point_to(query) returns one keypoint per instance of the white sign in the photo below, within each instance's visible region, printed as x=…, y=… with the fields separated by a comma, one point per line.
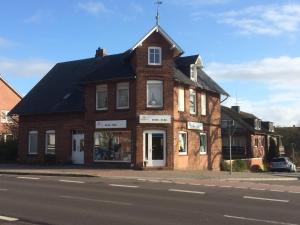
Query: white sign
x=155, y=119
x=195, y=125
x=108, y=124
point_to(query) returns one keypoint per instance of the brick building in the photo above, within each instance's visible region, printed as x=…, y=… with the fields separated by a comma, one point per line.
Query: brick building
x=252, y=138
x=146, y=107
x=9, y=97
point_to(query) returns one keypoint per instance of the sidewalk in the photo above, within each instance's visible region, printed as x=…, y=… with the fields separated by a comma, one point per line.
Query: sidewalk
x=84, y=171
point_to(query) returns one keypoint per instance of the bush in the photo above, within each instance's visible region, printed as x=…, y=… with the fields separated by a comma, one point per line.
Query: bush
x=224, y=166
x=8, y=151
x=239, y=165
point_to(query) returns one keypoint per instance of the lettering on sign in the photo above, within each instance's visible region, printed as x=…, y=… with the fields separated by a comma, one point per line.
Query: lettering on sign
x=155, y=119
x=109, y=124
x=195, y=126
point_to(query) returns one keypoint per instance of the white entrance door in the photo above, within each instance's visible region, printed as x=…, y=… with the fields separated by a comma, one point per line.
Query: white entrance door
x=77, y=148
x=154, y=148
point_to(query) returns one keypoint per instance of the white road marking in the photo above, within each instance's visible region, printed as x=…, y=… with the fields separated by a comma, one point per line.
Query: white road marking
x=9, y=219
x=95, y=200
x=3, y=189
x=210, y=185
x=225, y=186
x=72, y=181
x=154, y=181
x=266, y=199
x=276, y=190
x=241, y=187
x=259, y=220
x=121, y=185
x=294, y=192
x=258, y=189
x=29, y=178
x=187, y=191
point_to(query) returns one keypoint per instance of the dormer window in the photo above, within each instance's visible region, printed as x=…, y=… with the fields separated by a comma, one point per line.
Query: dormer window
x=257, y=124
x=154, y=56
x=193, y=72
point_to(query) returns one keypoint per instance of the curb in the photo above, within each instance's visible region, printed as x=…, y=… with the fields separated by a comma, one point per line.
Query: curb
x=47, y=174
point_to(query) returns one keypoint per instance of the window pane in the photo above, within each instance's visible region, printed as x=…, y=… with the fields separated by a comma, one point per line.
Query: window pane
x=203, y=143
x=154, y=55
x=102, y=100
x=182, y=143
x=181, y=100
x=50, y=145
x=203, y=104
x=155, y=94
x=123, y=95
x=192, y=102
x=33, y=137
x=114, y=146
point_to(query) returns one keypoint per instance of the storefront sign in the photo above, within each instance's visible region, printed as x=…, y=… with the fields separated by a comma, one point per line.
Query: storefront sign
x=108, y=124
x=155, y=119
x=195, y=126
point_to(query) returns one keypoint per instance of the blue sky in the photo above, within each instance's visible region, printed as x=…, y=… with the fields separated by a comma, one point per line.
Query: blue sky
x=250, y=47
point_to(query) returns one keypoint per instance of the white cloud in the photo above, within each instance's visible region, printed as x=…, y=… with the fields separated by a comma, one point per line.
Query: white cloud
x=264, y=19
x=280, y=77
x=39, y=16
x=93, y=7
x=5, y=43
x=25, y=67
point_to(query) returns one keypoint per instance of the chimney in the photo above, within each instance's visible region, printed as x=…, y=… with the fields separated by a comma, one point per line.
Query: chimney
x=100, y=52
x=236, y=108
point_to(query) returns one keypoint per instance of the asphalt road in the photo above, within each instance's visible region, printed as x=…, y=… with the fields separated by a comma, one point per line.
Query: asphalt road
x=34, y=200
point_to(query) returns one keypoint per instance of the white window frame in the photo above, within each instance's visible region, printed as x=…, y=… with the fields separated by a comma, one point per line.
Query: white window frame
x=29, y=143
x=181, y=99
x=159, y=59
x=122, y=86
x=202, y=134
x=46, y=142
x=194, y=94
x=186, y=143
x=102, y=88
x=193, y=72
x=203, y=104
x=162, y=97
x=4, y=119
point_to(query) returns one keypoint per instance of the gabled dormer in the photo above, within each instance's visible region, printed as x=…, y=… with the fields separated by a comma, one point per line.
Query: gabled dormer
x=191, y=65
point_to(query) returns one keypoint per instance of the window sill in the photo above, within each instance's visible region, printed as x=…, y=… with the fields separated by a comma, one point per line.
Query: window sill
x=182, y=153
x=203, y=153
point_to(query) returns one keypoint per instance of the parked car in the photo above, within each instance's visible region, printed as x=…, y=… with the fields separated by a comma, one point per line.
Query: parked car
x=282, y=164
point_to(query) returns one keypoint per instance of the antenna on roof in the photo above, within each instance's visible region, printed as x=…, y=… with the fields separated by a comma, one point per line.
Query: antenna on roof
x=157, y=11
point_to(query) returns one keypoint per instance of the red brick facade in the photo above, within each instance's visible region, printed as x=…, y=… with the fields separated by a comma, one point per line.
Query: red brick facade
x=65, y=123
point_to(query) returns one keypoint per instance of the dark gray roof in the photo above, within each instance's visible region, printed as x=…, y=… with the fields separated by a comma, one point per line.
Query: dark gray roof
x=182, y=73
x=236, y=117
x=61, y=90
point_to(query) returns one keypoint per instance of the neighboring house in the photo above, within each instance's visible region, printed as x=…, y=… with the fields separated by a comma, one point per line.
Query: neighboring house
x=146, y=107
x=251, y=137
x=9, y=97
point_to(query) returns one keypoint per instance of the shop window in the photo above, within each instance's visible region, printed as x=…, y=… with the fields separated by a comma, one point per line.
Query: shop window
x=101, y=97
x=203, y=104
x=203, y=143
x=182, y=143
x=50, y=142
x=192, y=101
x=33, y=142
x=123, y=95
x=154, y=56
x=181, y=99
x=112, y=146
x=154, y=93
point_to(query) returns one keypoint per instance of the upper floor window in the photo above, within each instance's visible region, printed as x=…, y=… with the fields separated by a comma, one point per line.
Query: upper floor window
x=123, y=95
x=181, y=99
x=155, y=93
x=192, y=101
x=203, y=104
x=33, y=142
x=203, y=143
x=50, y=142
x=101, y=97
x=4, y=118
x=257, y=124
x=154, y=56
x=193, y=72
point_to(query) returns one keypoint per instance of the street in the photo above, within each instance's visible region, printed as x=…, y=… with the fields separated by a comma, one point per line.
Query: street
x=58, y=200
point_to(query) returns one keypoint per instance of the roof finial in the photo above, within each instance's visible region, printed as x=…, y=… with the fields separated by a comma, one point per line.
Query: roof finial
x=157, y=12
